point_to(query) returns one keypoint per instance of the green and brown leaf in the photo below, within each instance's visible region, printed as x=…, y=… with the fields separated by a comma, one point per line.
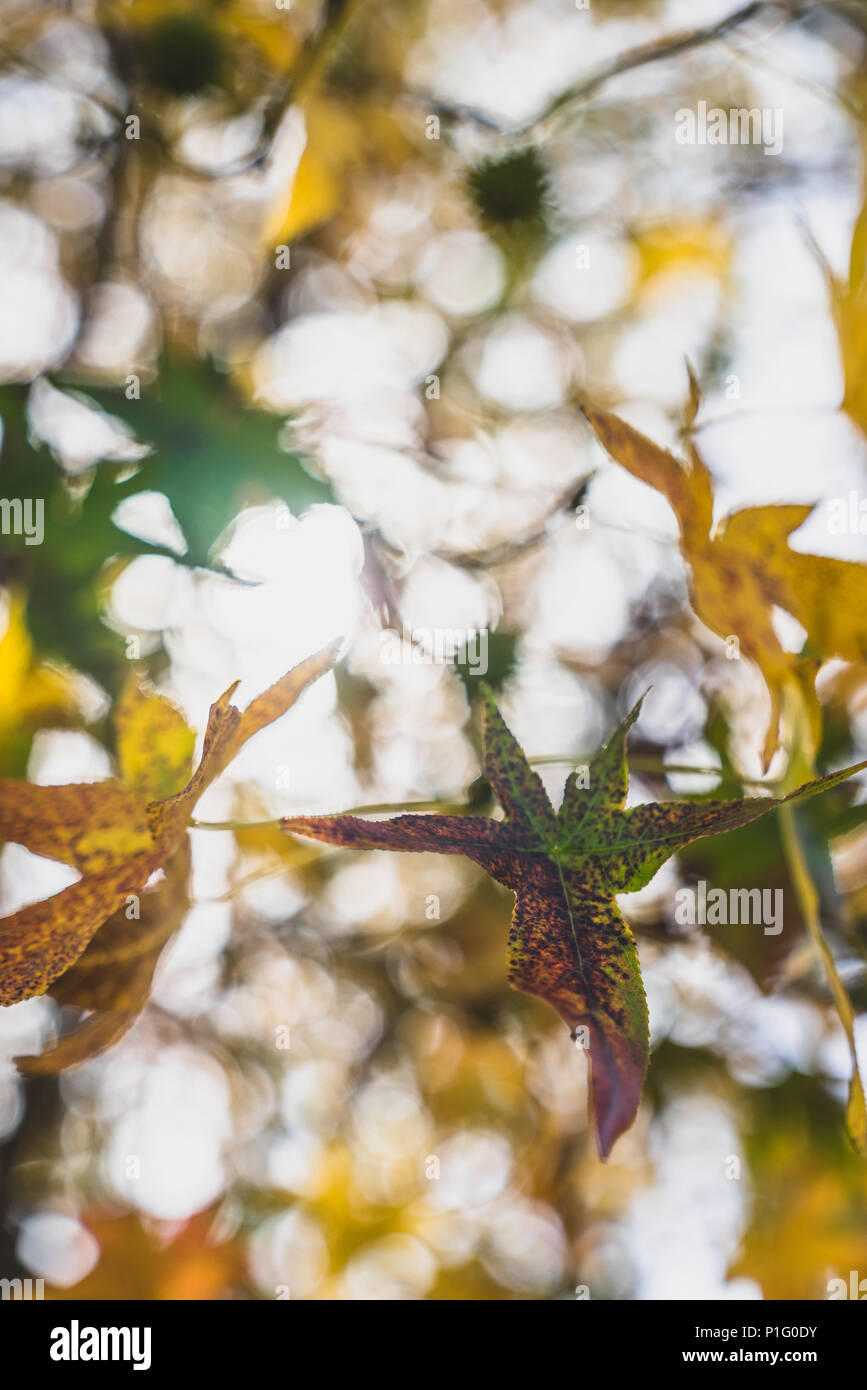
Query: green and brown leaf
x=568, y=942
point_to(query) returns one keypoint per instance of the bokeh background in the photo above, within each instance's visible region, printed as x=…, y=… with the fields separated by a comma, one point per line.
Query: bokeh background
x=297, y=310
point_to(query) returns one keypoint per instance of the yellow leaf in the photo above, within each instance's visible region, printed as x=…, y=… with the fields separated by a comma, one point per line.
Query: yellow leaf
x=804, y=1230
x=169, y=818
x=16, y=656
x=154, y=742
x=91, y=825
x=856, y=1111
x=313, y=198
x=272, y=37
x=694, y=246
x=745, y=568
x=280, y=696
x=341, y=139
x=849, y=306
x=32, y=692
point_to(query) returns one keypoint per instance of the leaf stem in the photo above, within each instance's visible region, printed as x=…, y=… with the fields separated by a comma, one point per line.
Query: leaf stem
x=641, y=763
x=636, y=761
x=374, y=808
x=389, y=807
x=808, y=901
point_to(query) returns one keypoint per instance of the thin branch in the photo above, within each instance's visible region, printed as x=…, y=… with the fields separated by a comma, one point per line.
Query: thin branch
x=659, y=51
x=643, y=55
x=382, y=808
x=808, y=901
x=817, y=89
x=852, y=13
x=375, y=808
x=313, y=59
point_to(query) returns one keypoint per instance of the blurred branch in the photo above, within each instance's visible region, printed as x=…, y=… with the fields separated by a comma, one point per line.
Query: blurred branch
x=852, y=11
x=816, y=89
x=567, y=501
x=808, y=901
x=658, y=51
x=373, y=809
x=314, y=57
x=640, y=763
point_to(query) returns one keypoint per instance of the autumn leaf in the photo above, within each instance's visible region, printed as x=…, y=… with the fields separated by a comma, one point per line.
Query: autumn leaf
x=808, y=1190
x=849, y=307
x=118, y=835
x=683, y=247
x=342, y=139
x=744, y=567
x=90, y=825
x=112, y=978
x=568, y=943
x=314, y=195
x=32, y=692
x=154, y=742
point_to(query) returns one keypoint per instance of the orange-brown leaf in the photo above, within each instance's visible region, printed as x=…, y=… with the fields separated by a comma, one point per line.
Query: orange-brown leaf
x=745, y=569
x=105, y=830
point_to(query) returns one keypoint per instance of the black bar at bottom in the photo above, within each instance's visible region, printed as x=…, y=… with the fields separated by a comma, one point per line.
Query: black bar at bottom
x=65, y=1339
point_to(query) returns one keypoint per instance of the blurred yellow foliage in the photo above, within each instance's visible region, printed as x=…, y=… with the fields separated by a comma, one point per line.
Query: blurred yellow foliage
x=849, y=303
x=341, y=141
x=33, y=693
x=694, y=246
x=136, y=1261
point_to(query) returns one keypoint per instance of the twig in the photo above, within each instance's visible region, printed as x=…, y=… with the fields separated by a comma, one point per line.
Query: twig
x=384, y=808
x=641, y=56
x=656, y=52
x=375, y=808
x=808, y=901
x=314, y=57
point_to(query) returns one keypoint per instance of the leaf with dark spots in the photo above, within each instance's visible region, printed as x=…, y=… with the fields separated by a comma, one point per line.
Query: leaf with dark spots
x=568, y=943
x=112, y=978
x=39, y=943
x=516, y=786
x=154, y=743
x=89, y=825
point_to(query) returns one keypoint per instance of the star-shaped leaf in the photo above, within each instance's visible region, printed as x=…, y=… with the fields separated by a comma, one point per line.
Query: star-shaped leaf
x=193, y=423
x=95, y=944
x=744, y=567
x=568, y=943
